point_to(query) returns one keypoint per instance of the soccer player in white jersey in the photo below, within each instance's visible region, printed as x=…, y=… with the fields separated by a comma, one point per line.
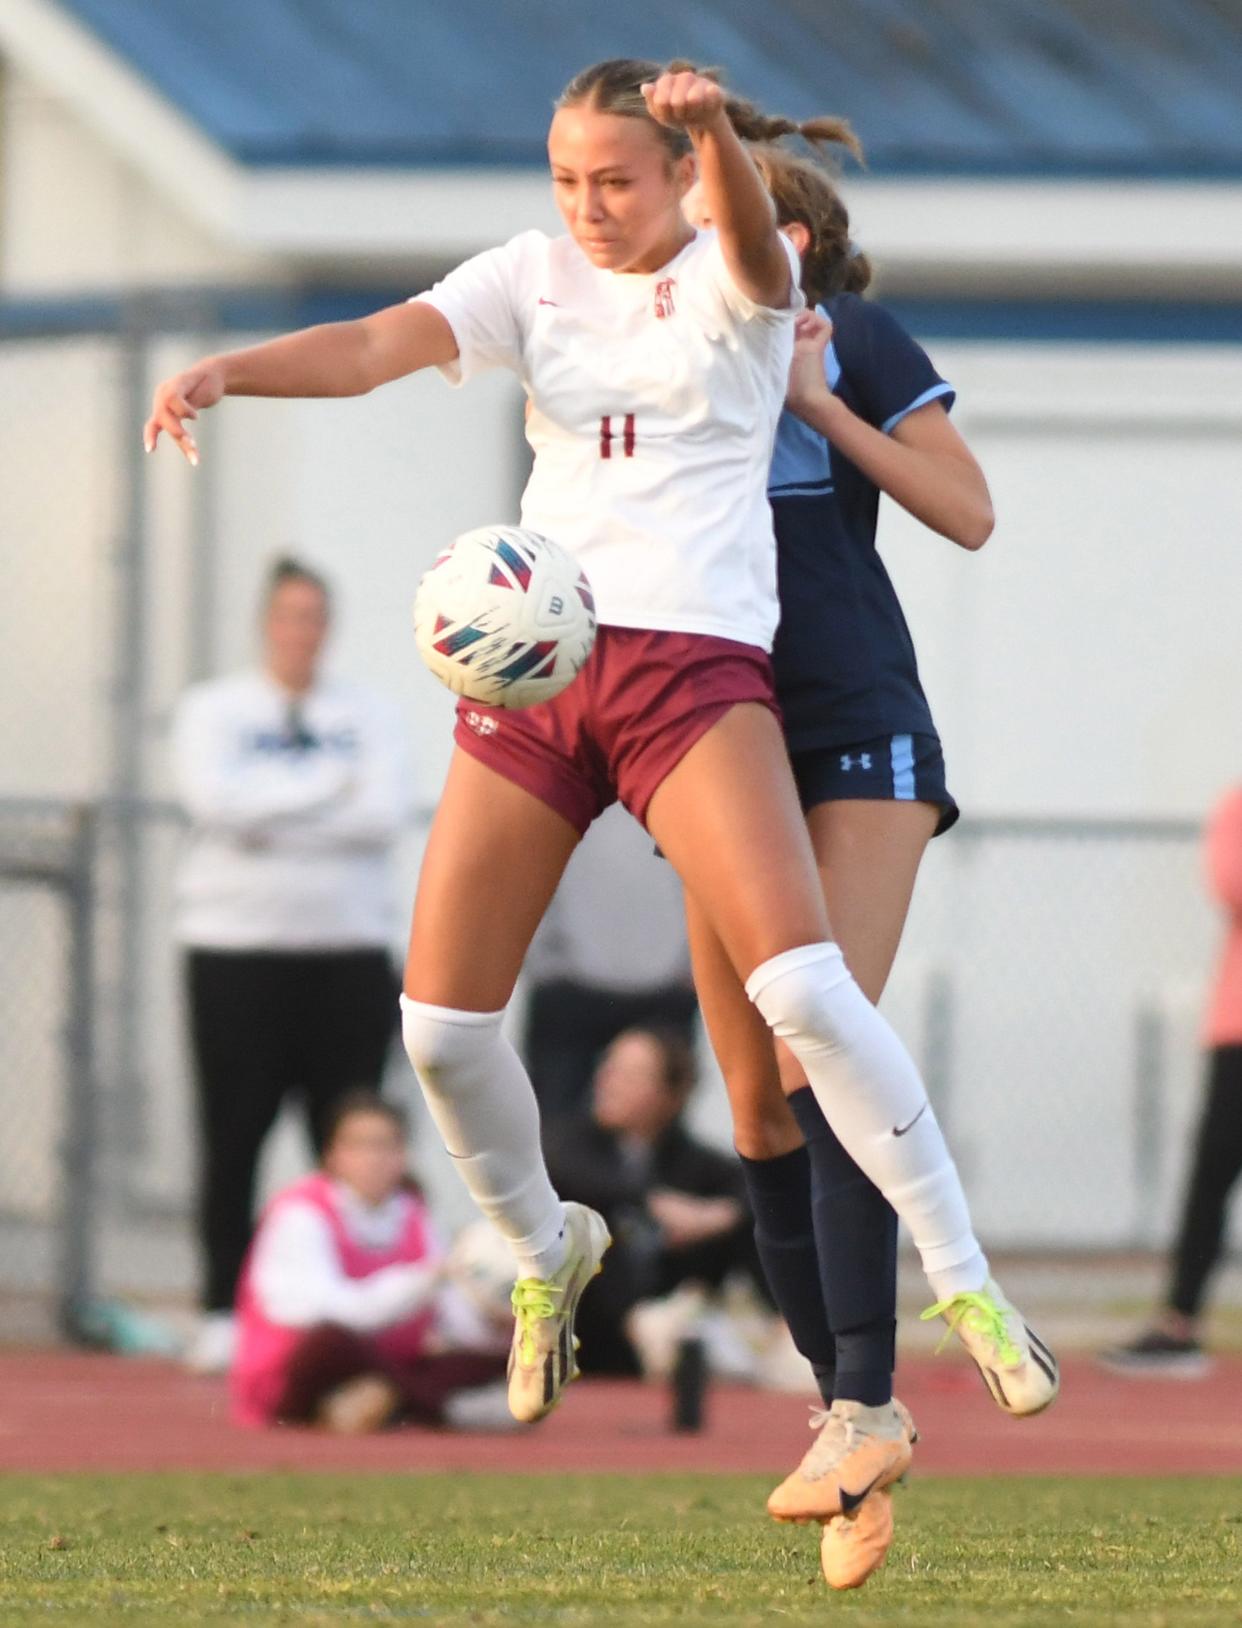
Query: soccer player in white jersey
x=655, y=358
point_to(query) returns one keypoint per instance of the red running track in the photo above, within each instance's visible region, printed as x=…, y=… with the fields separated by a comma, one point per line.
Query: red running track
x=72, y=1411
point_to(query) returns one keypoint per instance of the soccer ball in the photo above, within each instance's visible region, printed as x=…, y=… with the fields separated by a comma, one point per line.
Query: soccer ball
x=480, y=1264
x=505, y=617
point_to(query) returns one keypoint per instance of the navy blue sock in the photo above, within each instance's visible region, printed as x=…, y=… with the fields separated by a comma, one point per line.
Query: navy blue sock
x=856, y=1237
x=779, y=1191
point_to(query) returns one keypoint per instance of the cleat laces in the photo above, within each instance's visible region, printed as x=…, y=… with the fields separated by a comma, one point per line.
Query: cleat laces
x=981, y=1315
x=533, y=1302
x=828, y=1448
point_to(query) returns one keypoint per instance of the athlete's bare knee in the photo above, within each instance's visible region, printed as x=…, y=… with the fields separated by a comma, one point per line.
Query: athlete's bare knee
x=766, y=1130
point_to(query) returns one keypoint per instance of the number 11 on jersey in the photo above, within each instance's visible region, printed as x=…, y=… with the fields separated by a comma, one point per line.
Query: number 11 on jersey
x=624, y=433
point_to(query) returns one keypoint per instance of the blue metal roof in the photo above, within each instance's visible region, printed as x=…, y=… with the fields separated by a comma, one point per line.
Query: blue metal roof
x=982, y=87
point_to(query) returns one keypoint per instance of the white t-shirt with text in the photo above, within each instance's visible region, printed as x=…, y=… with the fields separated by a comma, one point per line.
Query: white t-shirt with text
x=296, y=806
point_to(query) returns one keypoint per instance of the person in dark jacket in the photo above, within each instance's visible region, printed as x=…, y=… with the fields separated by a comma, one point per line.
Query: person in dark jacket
x=675, y=1207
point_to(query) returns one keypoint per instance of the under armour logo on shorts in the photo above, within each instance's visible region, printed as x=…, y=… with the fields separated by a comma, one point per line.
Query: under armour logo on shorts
x=863, y=760
x=481, y=723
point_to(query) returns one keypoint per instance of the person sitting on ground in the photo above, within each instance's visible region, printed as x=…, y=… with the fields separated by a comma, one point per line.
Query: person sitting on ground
x=674, y=1206
x=342, y=1306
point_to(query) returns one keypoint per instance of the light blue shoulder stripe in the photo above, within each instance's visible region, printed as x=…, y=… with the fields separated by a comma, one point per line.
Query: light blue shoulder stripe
x=941, y=389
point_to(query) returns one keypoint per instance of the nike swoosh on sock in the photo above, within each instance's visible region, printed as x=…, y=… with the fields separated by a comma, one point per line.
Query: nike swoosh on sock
x=902, y=1129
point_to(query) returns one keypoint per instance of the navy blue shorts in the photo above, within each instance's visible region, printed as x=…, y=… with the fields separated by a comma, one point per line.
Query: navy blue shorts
x=890, y=768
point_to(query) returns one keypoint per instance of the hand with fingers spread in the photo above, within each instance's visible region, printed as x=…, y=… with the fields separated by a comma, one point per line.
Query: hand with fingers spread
x=808, y=385
x=687, y=101
x=180, y=398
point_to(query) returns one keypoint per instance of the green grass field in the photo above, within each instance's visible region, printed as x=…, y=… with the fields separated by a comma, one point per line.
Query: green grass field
x=182, y=1550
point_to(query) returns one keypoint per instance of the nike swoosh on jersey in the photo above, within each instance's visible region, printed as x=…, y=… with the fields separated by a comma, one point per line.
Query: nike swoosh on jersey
x=902, y=1129
x=542, y=301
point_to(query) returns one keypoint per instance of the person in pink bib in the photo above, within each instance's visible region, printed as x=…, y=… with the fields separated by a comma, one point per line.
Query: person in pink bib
x=341, y=1306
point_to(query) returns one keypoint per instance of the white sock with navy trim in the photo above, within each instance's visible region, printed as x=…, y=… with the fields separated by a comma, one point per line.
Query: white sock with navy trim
x=870, y=1092
x=483, y=1104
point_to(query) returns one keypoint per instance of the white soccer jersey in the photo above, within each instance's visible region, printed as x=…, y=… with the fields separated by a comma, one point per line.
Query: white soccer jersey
x=654, y=403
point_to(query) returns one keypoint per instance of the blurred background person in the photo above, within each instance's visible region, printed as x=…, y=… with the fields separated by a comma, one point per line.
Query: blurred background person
x=296, y=785
x=341, y=1301
x=609, y=955
x=1174, y=1343
x=675, y=1208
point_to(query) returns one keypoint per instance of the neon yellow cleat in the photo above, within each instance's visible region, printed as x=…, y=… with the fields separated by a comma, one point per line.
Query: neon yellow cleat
x=541, y=1359
x=1018, y=1368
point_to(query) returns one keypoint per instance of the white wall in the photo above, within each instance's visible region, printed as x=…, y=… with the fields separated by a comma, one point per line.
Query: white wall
x=1088, y=661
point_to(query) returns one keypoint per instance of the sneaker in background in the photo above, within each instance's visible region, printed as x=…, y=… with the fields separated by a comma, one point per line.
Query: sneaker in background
x=1157, y=1354
x=657, y=1328
x=482, y=1408
x=214, y=1345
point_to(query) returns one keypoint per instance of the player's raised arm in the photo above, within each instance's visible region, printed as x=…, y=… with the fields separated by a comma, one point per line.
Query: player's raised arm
x=733, y=191
x=923, y=463
x=333, y=359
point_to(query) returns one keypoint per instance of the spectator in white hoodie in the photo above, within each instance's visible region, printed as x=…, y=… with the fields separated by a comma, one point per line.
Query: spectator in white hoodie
x=297, y=787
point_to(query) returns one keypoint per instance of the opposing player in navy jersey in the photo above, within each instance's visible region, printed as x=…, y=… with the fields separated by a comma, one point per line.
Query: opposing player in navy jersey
x=866, y=412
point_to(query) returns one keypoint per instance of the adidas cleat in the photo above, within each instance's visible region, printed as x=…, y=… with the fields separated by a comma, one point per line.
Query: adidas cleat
x=542, y=1358
x=858, y=1450
x=1017, y=1367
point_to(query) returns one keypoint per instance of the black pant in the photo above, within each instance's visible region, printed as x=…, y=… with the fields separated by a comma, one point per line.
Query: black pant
x=569, y=1026
x=264, y=1024
x=1217, y=1165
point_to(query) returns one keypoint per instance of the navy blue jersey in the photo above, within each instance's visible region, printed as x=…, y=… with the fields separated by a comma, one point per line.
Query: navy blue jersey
x=844, y=660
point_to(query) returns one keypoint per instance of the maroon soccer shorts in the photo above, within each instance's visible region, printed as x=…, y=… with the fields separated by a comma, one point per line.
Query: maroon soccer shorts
x=637, y=707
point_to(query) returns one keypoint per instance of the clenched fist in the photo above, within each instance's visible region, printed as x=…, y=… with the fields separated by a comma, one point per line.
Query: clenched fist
x=687, y=101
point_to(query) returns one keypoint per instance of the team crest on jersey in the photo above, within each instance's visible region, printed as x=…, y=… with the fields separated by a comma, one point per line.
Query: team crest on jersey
x=664, y=306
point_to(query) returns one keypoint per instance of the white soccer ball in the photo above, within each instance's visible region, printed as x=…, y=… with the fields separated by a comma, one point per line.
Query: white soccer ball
x=505, y=617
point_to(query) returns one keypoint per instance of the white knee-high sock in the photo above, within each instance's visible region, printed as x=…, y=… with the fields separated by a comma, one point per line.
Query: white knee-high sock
x=481, y=1099
x=872, y=1096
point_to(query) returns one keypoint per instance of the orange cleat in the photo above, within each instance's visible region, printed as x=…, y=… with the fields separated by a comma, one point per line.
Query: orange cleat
x=858, y=1450
x=854, y=1546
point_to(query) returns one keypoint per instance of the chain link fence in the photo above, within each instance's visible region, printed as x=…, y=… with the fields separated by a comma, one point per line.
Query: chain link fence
x=49, y=1092
x=1050, y=986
